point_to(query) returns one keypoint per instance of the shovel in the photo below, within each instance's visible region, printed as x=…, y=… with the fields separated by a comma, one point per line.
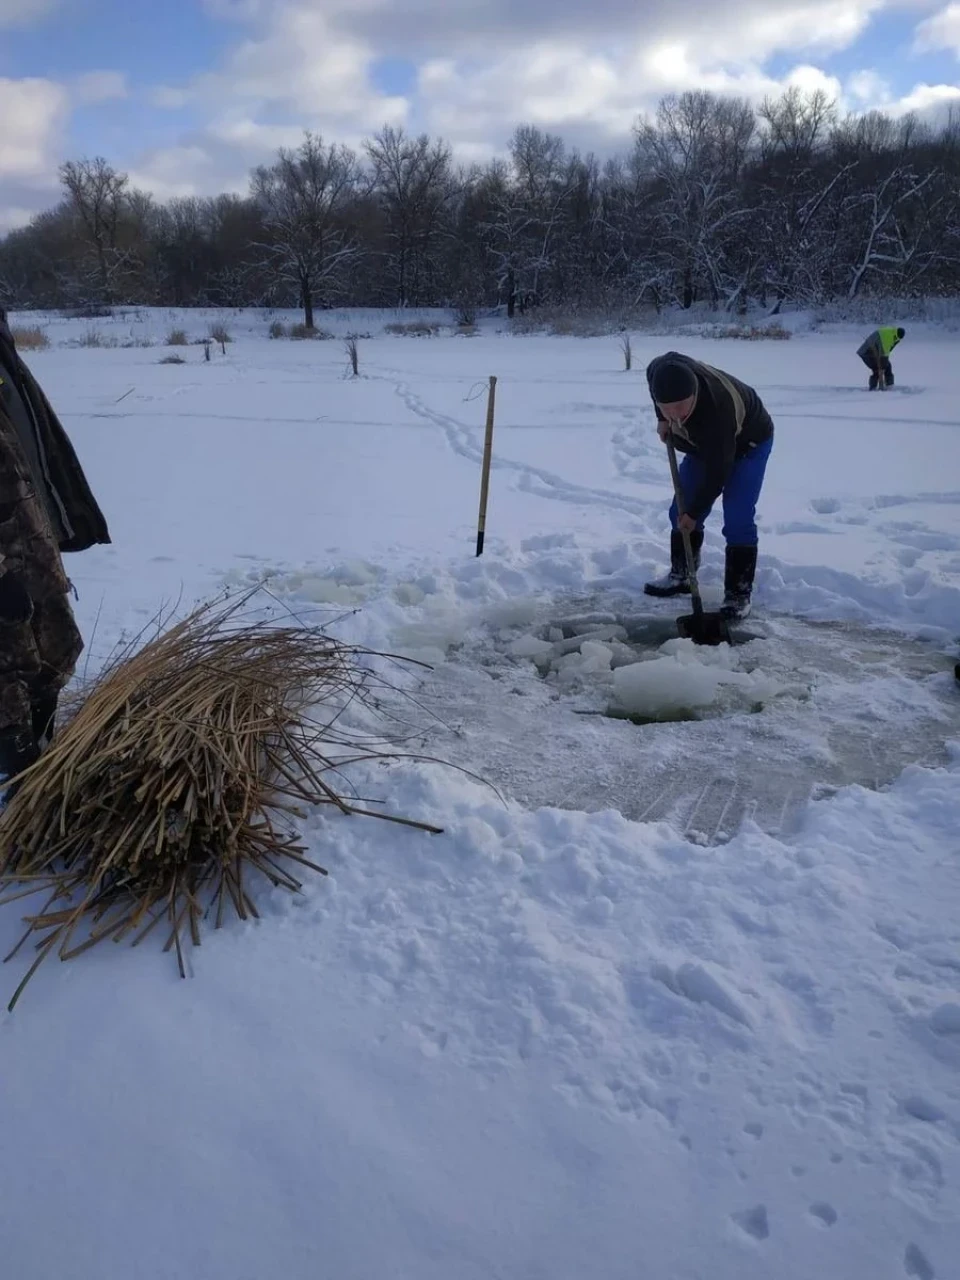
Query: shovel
x=700, y=626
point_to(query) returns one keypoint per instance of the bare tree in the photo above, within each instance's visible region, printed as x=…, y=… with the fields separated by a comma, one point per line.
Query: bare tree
x=528, y=203
x=695, y=154
x=884, y=240
x=413, y=184
x=716, y=202
x=99, y=197
x=795, y=183
x=304, y=198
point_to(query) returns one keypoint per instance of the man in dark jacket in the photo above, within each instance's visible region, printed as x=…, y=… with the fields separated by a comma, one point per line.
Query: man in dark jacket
x=46, y=508
x=722, y=426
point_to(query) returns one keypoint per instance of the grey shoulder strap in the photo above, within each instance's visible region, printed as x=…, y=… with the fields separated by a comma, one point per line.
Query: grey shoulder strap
x=739, y=408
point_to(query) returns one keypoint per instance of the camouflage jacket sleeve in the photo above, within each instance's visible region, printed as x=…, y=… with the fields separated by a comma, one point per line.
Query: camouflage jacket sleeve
x=28, y=544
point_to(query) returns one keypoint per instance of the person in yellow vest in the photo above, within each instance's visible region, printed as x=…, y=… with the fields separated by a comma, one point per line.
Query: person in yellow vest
x=875, y=354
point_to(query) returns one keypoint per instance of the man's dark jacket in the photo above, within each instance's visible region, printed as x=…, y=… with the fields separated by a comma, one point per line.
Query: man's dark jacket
x=727, y=423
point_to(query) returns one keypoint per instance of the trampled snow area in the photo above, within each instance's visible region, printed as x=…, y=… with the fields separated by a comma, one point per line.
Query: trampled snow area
x=679, y=995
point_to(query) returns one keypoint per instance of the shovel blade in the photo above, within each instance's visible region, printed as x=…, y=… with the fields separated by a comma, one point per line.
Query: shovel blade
x=704, y=628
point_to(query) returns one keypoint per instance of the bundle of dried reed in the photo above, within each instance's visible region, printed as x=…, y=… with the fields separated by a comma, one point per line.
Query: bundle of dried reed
x=168, y=789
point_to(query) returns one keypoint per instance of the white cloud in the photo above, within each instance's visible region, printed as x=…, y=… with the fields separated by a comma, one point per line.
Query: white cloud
x=294, y=72
x=13, y=216
x=100, y=86
x=565, y=88
x=169, y=99
x=927, y=99
x=868, y=88
x=24, y=13
x=482, y=67
x=178, y=171
x=33, y=113
x=303, y=63
x=940, y=32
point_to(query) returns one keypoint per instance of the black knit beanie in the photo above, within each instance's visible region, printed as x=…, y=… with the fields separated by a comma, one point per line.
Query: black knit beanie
x=673, y=381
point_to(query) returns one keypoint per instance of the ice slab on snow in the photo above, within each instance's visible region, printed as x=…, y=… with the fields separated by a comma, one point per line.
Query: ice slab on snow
x=687, y=677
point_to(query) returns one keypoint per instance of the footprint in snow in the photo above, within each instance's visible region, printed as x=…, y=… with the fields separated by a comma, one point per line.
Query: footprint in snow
x=695, y=984
x=920, y=1108
x=825, y=1213
x=754, y=1222
x=916, y=1263
x=945, y=1021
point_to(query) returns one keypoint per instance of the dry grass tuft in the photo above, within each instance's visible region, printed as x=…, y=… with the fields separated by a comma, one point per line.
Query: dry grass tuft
x=95, y=338
x=751, y=332
x=170, y=791
x=412, y=329
x=178, y=338
x=31, y=339
x=220, y=333
x=278, y=329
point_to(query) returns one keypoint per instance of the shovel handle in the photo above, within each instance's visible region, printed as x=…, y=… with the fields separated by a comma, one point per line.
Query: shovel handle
x=687, y=545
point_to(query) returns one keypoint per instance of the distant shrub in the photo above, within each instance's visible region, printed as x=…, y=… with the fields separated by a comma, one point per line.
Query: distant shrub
x=94, y=338
x=87, y=311
x=626, y=346
x=178, y=338
x=220, y=333
x=278, y=329
x=32, y=339
x=564, y=324
x=466, y=315
x=412, y=328
x=751, y=332
x=137, y=340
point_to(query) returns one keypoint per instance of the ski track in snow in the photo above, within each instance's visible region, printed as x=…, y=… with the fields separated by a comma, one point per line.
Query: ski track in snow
x=463, y=441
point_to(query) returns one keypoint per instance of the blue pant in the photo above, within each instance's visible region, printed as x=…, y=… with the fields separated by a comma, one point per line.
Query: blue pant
x=740, y=494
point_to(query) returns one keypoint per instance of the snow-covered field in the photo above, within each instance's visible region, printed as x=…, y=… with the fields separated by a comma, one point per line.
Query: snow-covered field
x=681, y=998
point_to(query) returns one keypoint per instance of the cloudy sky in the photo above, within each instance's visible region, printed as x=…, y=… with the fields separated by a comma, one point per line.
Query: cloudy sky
x=186, y=95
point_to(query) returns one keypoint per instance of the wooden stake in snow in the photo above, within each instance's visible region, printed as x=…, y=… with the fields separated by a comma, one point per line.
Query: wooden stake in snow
x=485, y=472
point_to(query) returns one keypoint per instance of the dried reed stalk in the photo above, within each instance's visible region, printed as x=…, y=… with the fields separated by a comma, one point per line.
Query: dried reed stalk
x=172, y=784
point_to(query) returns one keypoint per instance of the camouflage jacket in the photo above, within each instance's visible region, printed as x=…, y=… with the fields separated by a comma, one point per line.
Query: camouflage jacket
x=46, y=454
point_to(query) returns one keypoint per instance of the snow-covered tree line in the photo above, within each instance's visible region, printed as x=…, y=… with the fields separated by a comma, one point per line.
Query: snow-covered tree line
x=717, y=201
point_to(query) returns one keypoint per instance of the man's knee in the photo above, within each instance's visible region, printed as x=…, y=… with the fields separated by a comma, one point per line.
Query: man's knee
x=58, y=639
x=740, y=528
x=14, y=704
x=740, y=523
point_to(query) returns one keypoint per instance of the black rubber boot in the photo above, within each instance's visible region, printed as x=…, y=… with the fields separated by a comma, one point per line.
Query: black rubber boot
x=738, y=578
x=675, y=582
x=18, y=751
